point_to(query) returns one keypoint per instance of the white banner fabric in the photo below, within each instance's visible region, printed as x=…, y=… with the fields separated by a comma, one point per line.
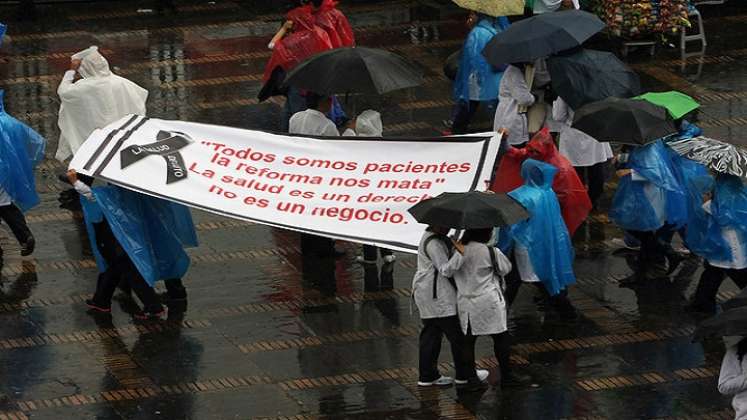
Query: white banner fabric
x=355, y=189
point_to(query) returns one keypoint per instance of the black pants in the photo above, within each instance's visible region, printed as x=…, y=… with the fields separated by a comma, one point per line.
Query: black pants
x=463, y=115
x=370, y=252
x=430, y=348
x=13, y=216
x=593, y=177
x=501, y=349
x=312, y=245
x=514, y=283
x=711, y=280
x=653, y=250
x=120, y=268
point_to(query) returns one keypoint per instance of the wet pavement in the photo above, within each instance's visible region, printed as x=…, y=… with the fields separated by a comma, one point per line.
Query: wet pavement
x=270, y=334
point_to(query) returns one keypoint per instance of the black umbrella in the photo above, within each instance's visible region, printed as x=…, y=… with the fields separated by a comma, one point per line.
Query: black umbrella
x=717, y=155
x=626, y=121
x=469, y=210
x=727, y=323
x=540, y=36
x=355, y=70
x=587, y=76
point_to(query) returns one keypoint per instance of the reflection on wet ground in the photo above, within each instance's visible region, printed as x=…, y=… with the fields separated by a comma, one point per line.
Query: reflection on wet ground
x=268, y=333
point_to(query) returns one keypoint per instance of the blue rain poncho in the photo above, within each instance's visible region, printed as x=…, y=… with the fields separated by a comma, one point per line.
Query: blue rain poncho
x=728, y=211
x=478, y=80
x=3, y=28
x=152, y=231
x=21, y=149
x=653, y=195
x=544, y=234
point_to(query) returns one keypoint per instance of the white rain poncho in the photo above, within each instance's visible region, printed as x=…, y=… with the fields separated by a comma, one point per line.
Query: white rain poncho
x=96, y=100
x=313, y=123
x=580, y=148
x=368, y=124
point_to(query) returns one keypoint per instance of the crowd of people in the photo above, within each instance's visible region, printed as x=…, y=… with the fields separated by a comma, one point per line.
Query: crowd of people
x=463, y=286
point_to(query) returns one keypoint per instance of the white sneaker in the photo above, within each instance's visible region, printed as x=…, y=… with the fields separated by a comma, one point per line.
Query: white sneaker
x=362, y=260
x=389, y=258
x=442, y=381
x=482, y=376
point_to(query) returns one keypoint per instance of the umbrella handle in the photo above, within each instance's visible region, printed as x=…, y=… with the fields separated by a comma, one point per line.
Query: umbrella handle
x=529, y=77
x=280, y=34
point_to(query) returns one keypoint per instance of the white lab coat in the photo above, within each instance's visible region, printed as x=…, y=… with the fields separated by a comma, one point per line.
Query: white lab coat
x=737, y=247
x=580, y=148
x=96, y=100
x=513, y=92
x=312, y=122
x=733, y=381
x=480, y=299
x=422, y=283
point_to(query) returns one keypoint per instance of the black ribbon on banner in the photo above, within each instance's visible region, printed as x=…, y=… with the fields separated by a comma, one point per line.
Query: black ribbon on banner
x=167, y=146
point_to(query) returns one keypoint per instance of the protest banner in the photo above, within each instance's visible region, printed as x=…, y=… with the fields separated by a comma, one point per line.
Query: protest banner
x=355, y=189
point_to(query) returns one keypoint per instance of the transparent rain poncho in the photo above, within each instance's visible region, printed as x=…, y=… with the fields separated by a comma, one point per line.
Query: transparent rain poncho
x=478, y=80
x=652, y=194
x=96, y=100
x=153, y=232
x=21, y=149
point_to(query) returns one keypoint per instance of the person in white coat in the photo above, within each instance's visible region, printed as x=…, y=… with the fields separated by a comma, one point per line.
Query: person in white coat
x=733, y=377
x=96, y=100
x=368, y=124
x=478, y=270
x=513, y=93
x=435, y=295
x=585, y=153
x=314, y=122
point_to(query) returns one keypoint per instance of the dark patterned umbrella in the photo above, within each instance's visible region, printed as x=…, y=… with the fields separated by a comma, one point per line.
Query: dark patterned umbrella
x=714, y=154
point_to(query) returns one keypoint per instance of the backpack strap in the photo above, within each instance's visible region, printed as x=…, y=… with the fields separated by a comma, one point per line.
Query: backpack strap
x=449, y=250
x=496, y=269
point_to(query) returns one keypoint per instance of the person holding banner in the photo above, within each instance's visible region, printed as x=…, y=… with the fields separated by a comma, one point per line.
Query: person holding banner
x=314, y=122
x=368, y=124
x=99, y=98
x=136, y=239
x=21, y=149
x=435, y=295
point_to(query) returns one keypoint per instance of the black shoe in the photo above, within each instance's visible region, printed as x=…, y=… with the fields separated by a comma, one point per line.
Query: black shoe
x=96, y=307
x=151, y=314
x=28, y=248
x=472, y=384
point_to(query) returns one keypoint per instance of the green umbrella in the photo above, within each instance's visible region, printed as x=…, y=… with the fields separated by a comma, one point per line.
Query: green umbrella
x=677, y=103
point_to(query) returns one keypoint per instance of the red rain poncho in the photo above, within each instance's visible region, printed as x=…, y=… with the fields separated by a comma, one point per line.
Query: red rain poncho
x=306, y=40
x=334, y=22
x=572, y=195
